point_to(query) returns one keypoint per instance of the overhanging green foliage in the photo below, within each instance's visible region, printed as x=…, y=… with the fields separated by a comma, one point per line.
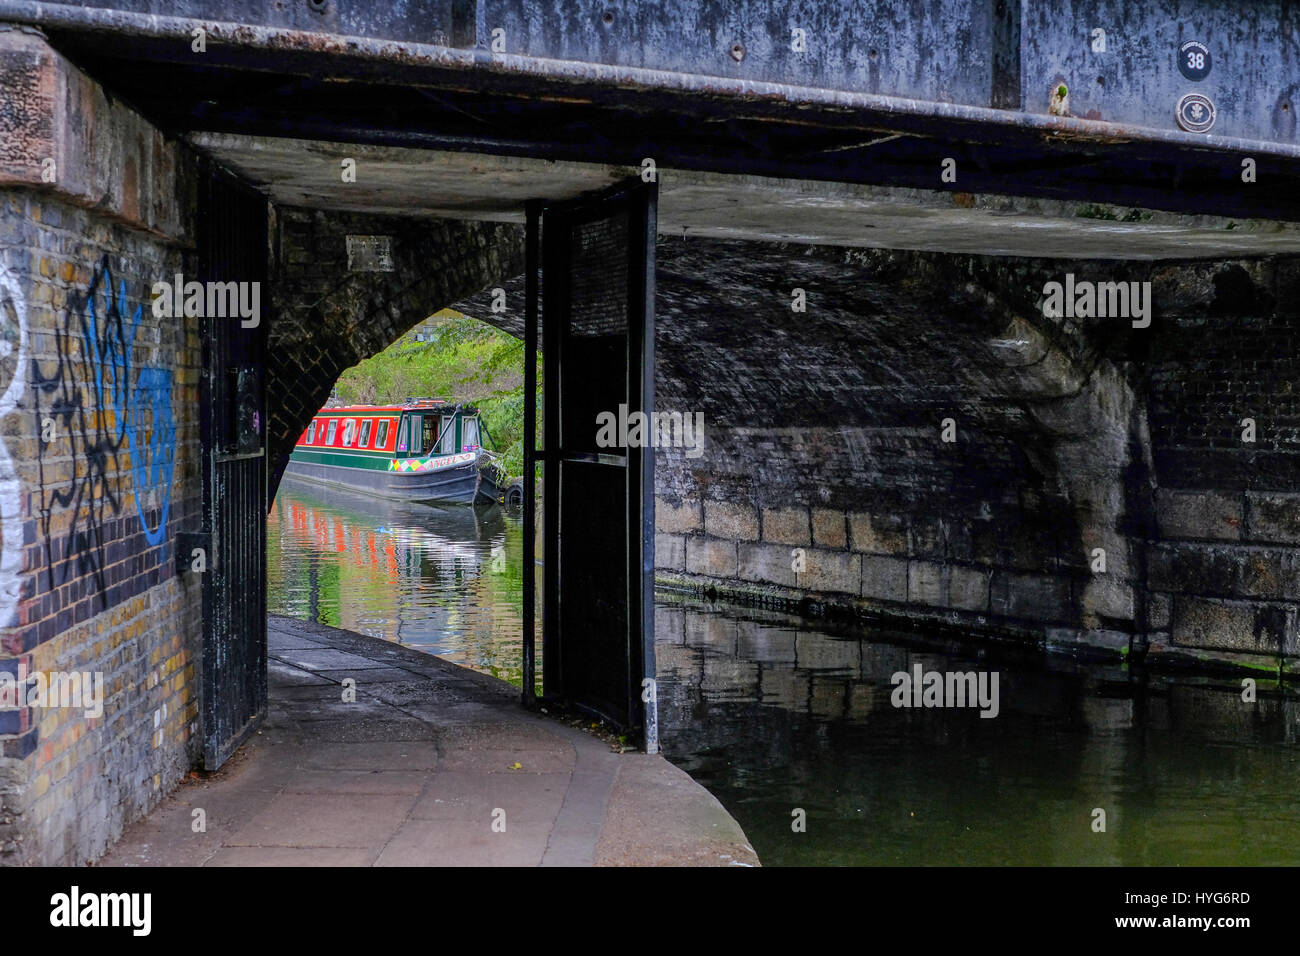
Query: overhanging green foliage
x=463, y=360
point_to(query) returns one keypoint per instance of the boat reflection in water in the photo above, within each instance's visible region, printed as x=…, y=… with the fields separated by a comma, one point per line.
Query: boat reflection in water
x=446, y=580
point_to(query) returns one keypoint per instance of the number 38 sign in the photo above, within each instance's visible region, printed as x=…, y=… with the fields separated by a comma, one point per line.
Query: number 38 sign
x=1194, y=60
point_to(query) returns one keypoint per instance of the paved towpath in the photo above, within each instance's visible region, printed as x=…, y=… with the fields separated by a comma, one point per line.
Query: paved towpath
x=416, y=772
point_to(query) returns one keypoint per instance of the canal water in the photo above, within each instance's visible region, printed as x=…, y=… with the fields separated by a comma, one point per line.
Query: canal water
x=793, y=725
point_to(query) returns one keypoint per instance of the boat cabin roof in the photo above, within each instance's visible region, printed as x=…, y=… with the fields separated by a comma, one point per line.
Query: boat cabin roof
x=421, y=405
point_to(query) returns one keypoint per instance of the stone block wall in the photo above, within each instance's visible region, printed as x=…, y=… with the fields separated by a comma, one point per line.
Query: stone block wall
x=1225, y=569
x=1097, y=495
x=825, y=475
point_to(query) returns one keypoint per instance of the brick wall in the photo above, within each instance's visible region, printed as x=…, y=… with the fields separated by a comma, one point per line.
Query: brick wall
x=98, y=506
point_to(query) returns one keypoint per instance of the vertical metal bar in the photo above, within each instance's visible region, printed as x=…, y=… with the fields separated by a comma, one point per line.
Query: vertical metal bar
x=649, y=224
x=640, y=463
x=555, y=242
x=632, y=203
x=532, y=250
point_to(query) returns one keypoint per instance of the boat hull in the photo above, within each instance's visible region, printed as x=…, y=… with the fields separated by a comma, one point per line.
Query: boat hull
x=459, y=526
x=460, y=484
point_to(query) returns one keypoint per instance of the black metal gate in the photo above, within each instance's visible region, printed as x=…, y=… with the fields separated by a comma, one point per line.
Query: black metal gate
x=233, y=248
x=597, y=269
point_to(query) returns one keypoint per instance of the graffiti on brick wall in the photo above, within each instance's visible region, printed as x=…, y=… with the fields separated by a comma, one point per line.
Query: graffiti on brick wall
x=13, y=361
x=98, y=406
x=151, y=438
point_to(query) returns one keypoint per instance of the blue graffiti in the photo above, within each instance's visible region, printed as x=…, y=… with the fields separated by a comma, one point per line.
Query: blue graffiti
x=111, y=353
x=94, y=353
x=152, y=450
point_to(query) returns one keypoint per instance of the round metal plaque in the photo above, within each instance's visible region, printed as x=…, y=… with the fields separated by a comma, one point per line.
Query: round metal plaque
x=1194, y=60
x=1195, y=113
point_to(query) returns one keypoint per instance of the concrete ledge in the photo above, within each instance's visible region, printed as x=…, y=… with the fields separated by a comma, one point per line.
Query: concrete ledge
x=1207, y=636
x=62, y=133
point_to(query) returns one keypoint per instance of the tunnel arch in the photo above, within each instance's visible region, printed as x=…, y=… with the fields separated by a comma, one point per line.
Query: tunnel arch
x=330, y=314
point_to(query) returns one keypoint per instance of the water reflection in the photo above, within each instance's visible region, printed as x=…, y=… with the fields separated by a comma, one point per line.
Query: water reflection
x=445, y=580
x=773, y=716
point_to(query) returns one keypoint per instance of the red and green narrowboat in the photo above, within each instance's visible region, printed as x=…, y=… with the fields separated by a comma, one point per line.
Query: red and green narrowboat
x=425, y=451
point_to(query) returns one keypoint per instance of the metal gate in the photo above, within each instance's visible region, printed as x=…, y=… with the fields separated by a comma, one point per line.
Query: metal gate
x=597, y=272
x=233, y=248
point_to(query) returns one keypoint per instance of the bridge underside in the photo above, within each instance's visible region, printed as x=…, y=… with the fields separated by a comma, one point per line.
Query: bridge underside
x=883, y=98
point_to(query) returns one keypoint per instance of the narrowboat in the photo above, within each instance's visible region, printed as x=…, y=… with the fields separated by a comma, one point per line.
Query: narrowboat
x=425, y=451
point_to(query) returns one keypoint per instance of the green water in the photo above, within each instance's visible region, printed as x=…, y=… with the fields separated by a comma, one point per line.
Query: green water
x=444, y=580
x=775, y=714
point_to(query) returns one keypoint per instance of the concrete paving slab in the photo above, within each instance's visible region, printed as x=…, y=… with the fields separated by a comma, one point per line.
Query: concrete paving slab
x=659, y=816
x=360, y=729
x=524, y=797
x=288, y=675
x=334, y=708
x=292, y=856
x=284, y=641
x=325, y=819
x=326, y=659
x=503, y=761
x=372, y=675
x=383, y=755
x=403, y=782
x=496, y=734
x=432, y=843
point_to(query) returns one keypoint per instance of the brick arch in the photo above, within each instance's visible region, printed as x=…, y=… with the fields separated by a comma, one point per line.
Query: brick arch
x=327, y=318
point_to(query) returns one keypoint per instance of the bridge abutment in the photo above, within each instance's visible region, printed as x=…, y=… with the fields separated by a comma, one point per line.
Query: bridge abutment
x=99, y=464
x=1095, y=491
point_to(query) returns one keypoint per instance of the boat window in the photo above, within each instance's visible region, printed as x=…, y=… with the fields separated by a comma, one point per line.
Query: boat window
x=403, y=433
x=365, y=434
x=349, y=431
x=447, y=444
x=430, y=434
x=381, y=438
x=469, y=439
x=311, y=432
x=329, y=437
